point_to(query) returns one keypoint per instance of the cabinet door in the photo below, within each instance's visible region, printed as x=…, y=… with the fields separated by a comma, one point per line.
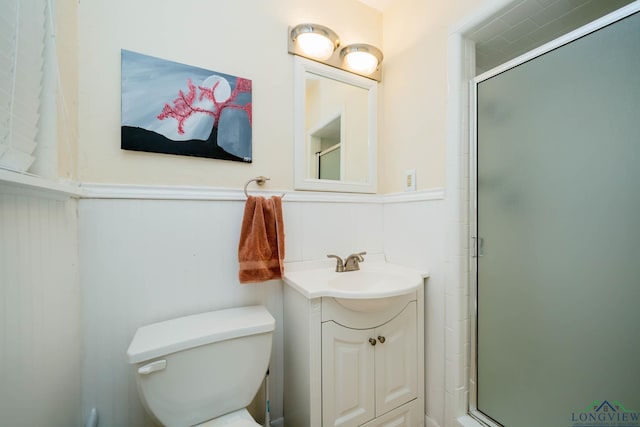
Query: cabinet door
x=347, y=376
x=396, y=361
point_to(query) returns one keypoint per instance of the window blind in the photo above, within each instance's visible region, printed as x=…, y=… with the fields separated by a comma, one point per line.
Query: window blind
x=22, y=37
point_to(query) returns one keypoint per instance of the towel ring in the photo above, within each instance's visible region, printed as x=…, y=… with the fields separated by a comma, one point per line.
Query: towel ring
x=260, y=180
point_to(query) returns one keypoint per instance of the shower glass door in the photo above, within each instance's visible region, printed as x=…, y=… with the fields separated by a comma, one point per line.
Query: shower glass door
x=558, y=218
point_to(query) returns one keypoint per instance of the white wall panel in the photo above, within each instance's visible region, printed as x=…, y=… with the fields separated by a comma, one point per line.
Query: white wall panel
x=143, y=261
x=339, y=228
x=414, y=236
x=40, y=350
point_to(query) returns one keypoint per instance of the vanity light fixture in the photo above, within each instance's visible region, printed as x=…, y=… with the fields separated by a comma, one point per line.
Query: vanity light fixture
x=315, y=41
x=361, y=58
x=320, y=44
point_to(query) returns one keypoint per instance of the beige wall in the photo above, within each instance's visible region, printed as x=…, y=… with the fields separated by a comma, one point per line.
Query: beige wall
x=67, y=91
x=414, y=90
x=222, y=36
x=240, y=37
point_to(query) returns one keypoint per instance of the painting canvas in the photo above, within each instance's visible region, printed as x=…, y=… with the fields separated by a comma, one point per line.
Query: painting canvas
x=172, y=108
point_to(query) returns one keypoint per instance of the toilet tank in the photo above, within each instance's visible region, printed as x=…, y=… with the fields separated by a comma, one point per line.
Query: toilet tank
x=196, y=368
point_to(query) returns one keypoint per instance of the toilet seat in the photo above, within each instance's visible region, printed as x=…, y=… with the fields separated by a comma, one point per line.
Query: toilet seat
x=240, y=418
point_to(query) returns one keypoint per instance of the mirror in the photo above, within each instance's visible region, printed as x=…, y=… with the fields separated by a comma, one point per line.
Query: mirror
x=335, y=129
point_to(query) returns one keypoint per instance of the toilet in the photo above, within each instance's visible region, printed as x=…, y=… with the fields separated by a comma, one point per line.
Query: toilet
x=203, y=369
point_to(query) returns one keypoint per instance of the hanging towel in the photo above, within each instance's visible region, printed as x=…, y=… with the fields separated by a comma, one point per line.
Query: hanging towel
x=261, y=248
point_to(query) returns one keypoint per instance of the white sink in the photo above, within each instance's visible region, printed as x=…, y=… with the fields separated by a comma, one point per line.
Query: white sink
x=369, y=282
x=368, y=289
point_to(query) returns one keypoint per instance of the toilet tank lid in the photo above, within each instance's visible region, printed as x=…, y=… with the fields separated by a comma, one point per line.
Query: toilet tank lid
x=160, y=339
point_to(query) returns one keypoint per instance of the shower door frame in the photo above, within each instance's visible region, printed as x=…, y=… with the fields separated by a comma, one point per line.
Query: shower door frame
x=475, y=241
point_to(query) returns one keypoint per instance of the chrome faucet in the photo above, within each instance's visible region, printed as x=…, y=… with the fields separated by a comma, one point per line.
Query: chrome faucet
x=351, y=263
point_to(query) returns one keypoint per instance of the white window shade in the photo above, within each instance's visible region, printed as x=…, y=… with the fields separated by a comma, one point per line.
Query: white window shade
x=22, y=36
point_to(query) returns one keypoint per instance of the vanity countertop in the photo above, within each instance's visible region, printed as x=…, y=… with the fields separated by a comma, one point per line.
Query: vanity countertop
x=375, y=279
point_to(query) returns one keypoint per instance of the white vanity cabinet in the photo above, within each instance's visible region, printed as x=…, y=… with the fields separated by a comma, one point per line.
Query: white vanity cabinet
x=347, y=368
x=368, y=372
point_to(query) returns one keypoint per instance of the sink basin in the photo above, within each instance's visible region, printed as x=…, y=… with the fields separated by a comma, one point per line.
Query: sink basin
x=369, y=282
x=368, y=289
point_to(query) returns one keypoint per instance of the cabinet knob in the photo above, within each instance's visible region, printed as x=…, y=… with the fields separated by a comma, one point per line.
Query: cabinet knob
x=372, y=341
x=381, y=339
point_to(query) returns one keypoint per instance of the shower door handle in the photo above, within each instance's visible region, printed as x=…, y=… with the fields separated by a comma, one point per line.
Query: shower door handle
x=478, y=246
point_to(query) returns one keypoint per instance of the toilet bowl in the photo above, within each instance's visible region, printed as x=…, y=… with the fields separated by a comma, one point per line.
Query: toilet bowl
x=203, y=369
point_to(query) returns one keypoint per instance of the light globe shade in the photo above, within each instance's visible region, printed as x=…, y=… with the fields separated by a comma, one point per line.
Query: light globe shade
x=361, y=58
x=361, y=62
x=315, y=45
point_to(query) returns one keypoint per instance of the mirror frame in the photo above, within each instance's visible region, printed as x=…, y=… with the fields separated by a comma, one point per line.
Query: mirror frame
x=301, y=181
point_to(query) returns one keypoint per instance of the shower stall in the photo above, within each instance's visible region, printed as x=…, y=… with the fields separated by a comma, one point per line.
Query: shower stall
x=556, y=231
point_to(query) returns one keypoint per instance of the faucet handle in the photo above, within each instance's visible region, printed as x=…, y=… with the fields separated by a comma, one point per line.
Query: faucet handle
x=351, y=263
x=339, y=263
x=358, y=256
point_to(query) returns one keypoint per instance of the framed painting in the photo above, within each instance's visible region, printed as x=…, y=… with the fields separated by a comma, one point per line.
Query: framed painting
x=172, y=108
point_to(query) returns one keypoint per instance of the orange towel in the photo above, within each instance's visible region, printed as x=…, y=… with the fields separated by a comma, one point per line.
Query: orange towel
x=261, y=248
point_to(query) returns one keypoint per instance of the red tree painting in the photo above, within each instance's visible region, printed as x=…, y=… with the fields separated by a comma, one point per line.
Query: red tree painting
x=184, y=105
x=210, y=117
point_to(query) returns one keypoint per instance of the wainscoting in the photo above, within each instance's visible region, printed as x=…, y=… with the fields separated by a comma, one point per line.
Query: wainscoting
x=77, y=284
x=142, y=261
x=40, y=328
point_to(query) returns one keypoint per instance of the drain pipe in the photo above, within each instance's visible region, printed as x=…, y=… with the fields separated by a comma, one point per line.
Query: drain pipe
x=267, y=415
x=92, y=421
